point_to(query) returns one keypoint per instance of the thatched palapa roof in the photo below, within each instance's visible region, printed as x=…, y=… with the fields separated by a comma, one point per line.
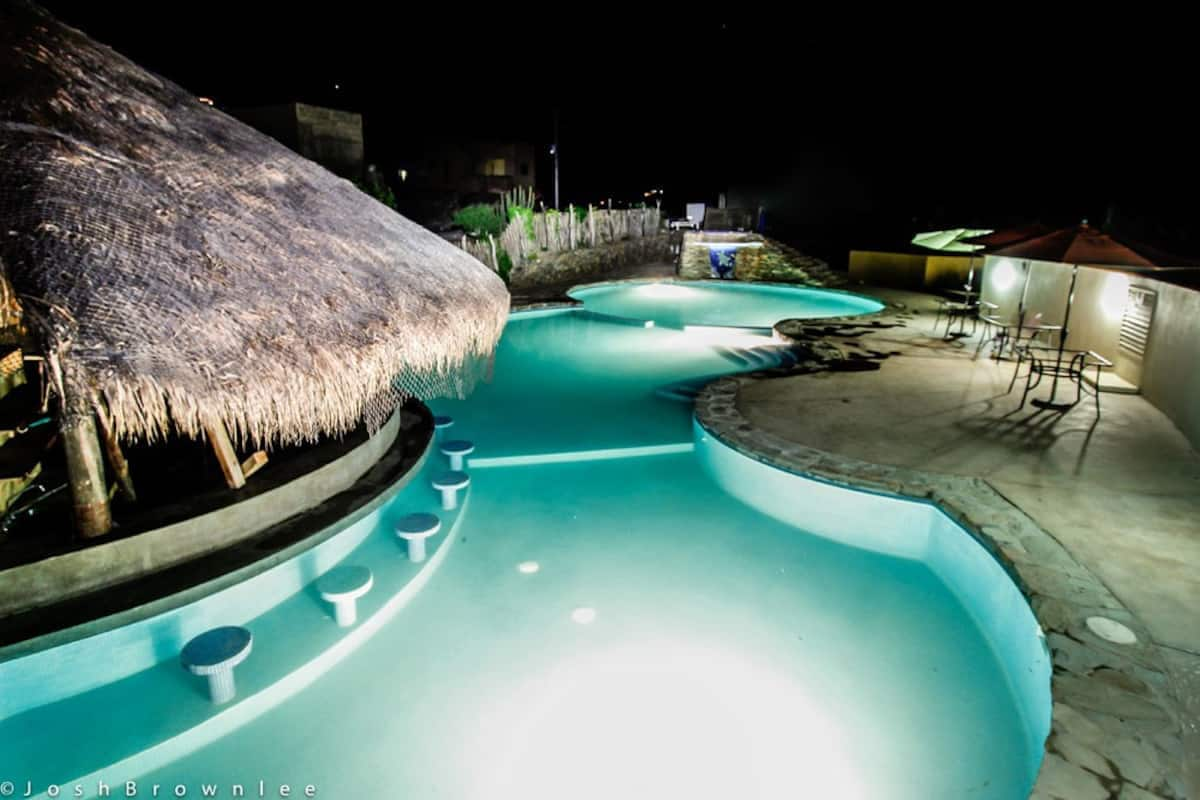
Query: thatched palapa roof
x=183, y=269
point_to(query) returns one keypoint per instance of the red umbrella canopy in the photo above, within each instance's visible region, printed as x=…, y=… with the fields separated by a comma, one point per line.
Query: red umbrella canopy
x=1009, y=236
x=1085, y=245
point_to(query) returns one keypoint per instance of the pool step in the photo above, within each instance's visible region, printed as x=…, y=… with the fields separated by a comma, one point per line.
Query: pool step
x=760, y=357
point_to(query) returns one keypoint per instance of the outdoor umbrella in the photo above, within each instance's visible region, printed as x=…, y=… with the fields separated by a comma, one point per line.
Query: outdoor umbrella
x=953, y=240
x=1006, y=237
x=1078, y=245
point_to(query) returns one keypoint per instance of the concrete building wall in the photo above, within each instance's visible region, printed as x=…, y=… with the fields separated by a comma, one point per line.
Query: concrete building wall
x=912, y=270
x=332, y=138
x=893, y=270
x=1169, y=373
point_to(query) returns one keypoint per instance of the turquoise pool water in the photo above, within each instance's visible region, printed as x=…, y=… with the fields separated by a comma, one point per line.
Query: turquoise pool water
x=629, y=610
x=675, y=304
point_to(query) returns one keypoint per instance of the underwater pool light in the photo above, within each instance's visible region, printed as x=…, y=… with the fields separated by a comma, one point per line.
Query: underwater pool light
x=584, y=615
x=655, y=719
x=528, y=567
x=665, y=291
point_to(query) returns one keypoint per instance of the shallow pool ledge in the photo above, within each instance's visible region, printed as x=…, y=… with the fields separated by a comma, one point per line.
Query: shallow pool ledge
x=1115, y=729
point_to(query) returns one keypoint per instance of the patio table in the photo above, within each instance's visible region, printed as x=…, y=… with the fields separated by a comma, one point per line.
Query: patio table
x=1051, y=362
x=1009, y=333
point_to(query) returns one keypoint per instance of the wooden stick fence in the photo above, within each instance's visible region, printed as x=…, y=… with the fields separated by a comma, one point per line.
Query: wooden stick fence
x=530, y=236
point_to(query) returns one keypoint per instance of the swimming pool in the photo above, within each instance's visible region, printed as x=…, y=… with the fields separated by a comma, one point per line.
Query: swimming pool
x=630, y=609
x=675, y=304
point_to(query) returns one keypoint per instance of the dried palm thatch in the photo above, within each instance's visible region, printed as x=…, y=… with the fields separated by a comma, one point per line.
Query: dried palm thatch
x=183, y=270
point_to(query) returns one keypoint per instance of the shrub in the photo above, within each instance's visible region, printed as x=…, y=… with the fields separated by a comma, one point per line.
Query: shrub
x=525, y=214
x=504, y=264
x=479, y=220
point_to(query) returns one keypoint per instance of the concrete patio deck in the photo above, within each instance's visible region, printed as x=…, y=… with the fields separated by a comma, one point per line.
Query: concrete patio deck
x=1121, y=492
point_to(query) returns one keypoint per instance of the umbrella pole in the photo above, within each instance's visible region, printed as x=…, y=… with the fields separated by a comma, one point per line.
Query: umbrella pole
x=1021, y=304
x=1062, y=339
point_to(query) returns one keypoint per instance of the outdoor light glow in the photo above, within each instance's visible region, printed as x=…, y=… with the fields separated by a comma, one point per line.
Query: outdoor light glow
x=1114, y=296
x=528, y=567
x=1004, y=275
x=584, y=615
x=664, y=719
x=666, y=291
x=726, y=337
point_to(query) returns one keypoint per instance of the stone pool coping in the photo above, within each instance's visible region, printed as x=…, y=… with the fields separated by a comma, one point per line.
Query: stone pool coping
x=1115, y=724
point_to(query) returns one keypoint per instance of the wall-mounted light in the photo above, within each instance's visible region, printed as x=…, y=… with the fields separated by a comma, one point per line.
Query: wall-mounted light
x=1114, y=296
x=1004, y=275
x=403, y=175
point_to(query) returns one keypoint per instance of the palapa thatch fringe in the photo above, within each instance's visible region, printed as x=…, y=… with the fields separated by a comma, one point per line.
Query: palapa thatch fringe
x=204, y=273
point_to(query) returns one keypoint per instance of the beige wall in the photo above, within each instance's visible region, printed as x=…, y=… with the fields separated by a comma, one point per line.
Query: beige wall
x=949, y=271
x=896, y=270
x=911, y=270
x=1169, y=376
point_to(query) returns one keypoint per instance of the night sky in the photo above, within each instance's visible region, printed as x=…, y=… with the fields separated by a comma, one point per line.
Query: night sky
x=857, y=131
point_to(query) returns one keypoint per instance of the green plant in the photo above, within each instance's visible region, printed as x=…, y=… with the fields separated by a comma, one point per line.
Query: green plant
x=525, y=214
x=380, y=191
x=504, y=264
x=580, y=214
x=479, y=220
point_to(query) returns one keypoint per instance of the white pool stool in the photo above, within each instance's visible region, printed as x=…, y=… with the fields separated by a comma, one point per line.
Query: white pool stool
x=213, y=655
x=342, y=586
x=457, y=450
x=449, y=484
x=414, y=529
x=440, y=423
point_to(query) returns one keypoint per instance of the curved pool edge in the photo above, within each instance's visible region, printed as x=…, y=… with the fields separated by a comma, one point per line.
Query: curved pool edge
x=721, y=282
x=286, y=659
x=245, y=708
x=128, y=642
x=1107, y=699
x=572, y=302
x=375, y=448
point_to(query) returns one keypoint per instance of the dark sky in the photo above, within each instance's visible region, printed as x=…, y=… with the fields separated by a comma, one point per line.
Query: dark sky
x=851, y=122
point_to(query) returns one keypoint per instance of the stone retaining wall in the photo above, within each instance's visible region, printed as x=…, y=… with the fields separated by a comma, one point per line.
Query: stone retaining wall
x=589, y=263
x=765, y=260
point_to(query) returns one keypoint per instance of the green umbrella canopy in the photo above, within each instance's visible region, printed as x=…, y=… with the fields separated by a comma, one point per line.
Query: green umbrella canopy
x=951, y=240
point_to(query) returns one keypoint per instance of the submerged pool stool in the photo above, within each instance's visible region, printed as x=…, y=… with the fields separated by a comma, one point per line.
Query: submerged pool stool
x=440, y=424
x=448, y=483
x=213, y=654
x=415, y=529
x=457, y=449
x=343, y=586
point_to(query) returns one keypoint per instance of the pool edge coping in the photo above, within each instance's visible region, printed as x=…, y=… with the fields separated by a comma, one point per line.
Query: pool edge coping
x=246, y=572
x=1084, y=736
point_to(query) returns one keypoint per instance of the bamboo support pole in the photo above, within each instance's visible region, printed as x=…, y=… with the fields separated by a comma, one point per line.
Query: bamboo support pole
x=226, y=455
x=116, y=458
x=85, y=472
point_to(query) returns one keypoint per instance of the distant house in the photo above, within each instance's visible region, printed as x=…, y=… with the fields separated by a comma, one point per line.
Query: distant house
x=332, y=138
x=469, y=169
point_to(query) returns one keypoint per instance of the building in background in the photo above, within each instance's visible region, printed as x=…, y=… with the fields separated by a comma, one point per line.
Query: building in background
x=473, y=169
x=332, y=138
